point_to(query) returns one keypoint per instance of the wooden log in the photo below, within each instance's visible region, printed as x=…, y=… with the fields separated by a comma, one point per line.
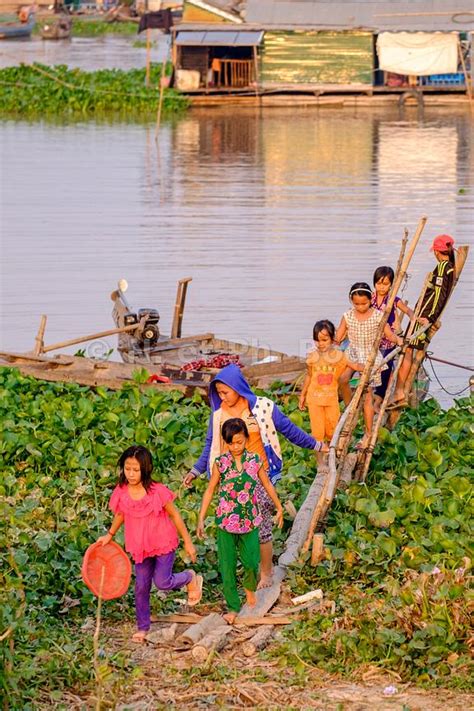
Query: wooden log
x=290, y=509
x=346, y=468
x=317, y=551
x=169, y=633
x=318, y=511
x=207, y=624
x=212, y=642
x=258, y=641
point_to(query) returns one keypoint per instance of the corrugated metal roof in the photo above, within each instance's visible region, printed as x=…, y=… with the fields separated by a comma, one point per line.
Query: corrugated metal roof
x=428, y=15
x=216, y=38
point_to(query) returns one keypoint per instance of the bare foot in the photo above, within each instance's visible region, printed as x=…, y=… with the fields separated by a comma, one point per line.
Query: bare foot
x=251, y=597
x=139, y=637
x=230, y=617
x=266, y=581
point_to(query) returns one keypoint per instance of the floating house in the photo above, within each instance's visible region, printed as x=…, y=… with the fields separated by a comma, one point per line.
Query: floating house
x=315, y=46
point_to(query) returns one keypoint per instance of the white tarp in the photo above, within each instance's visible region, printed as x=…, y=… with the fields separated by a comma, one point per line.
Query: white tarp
x=418, y=53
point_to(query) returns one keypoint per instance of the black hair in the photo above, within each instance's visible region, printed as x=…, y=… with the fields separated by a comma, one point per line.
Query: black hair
x=449, y=251
x=232, y=427
x=360, y=288
x=382, y=272
x=324, y=325
x=143, y=456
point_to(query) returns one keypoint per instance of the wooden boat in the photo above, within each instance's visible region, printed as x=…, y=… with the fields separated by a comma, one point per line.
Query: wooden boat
x=57, y=28
x=19, y=29
x=156, y=357
x=193, y=359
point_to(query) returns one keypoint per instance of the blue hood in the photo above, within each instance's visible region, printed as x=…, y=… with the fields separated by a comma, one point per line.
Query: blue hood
x=231, y=376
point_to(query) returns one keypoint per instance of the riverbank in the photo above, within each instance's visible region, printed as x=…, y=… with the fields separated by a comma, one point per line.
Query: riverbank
x=397, y=566
x=37, y=90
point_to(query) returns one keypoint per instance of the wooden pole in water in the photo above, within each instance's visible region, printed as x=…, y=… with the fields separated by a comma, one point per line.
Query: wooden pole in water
x=148, y=59
x=162, y=91
x=467, y=78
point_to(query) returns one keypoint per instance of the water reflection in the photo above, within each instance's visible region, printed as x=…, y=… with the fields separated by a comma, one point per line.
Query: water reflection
x=274, y=213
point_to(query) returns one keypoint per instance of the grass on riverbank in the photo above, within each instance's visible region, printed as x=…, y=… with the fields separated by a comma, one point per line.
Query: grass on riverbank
x=95, y=27
x=36, y=90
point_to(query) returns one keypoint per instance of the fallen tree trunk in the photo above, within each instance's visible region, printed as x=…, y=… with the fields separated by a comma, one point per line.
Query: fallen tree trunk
x=212, y=642
x=258, y=641
x=203, y=628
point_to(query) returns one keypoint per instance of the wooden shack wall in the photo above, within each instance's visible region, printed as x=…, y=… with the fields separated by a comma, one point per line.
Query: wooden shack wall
x=313, y=57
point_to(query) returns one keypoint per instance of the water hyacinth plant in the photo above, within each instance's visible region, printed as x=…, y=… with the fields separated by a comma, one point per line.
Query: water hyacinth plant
x=38, y=90
x=398, y=562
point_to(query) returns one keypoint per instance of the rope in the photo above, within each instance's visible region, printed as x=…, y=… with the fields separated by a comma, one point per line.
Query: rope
x=449, y=362
x=442, y=386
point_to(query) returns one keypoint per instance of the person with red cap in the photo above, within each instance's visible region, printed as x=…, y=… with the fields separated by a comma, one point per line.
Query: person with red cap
x=434, y=299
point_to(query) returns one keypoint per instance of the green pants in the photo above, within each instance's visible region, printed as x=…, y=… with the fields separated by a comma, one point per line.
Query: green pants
x=247, y=548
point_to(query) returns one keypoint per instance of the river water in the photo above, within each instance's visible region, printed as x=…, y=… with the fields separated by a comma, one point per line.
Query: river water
x=273, y=213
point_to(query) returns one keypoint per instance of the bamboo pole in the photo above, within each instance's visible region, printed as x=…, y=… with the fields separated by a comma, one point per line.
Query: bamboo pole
x=39, y=340
x=90, y=337
x=393, y=379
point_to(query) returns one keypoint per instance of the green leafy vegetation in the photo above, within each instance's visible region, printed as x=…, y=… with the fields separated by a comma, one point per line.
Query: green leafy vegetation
x=399, y=558
x=58, y=453
x=37, y=90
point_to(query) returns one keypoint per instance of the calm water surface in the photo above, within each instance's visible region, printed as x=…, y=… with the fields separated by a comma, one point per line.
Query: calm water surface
x=274, y=214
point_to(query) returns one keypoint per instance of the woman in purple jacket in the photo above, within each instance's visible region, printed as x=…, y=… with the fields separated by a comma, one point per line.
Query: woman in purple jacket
x=230, y=395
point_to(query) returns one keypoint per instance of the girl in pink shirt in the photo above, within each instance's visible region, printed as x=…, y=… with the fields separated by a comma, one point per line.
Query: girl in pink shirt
x=152, y=524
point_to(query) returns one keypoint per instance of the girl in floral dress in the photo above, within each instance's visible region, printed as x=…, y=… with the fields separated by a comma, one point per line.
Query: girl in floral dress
x=236, y=473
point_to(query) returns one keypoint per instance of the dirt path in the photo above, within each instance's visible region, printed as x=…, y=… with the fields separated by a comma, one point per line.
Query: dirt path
x=160, y=677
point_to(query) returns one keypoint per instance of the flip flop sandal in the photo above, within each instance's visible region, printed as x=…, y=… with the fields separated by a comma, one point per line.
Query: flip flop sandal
x=197, y=592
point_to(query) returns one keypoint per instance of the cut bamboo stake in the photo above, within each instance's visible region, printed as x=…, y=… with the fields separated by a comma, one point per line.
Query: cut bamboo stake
x=259, y=641
x=98, y=675
x=39, y=340
x=317, y=552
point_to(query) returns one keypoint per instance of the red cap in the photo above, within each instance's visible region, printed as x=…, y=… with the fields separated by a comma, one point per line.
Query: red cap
x=442, y=243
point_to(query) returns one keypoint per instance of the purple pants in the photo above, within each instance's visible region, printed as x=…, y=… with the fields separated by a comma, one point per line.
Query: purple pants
x=157, y=569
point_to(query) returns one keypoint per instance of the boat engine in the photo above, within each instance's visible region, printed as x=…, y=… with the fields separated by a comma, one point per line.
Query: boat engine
x=147, y=332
